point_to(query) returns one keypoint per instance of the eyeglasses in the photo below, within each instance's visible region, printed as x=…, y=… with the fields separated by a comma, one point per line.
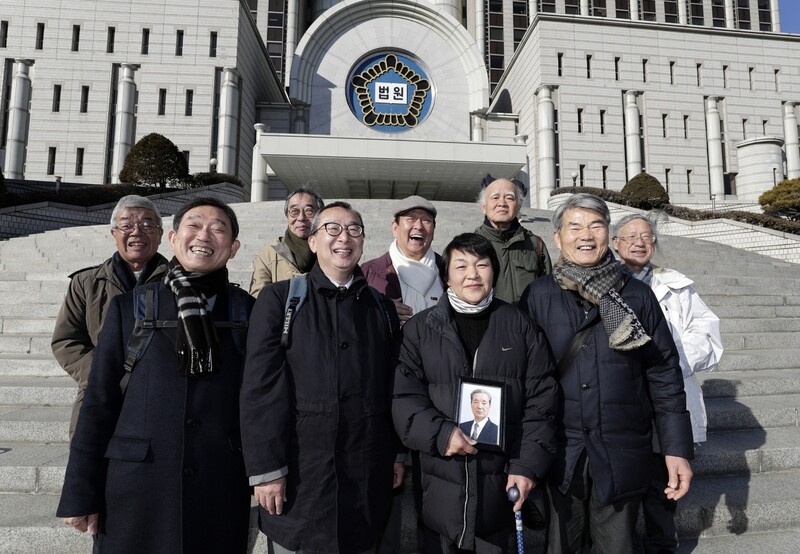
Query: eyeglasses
x=144, y=226
x=308, y=211
x=647, y=238
x=335, y=229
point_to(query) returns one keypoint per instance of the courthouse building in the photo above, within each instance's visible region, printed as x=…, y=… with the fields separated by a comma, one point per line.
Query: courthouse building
x=385, y=98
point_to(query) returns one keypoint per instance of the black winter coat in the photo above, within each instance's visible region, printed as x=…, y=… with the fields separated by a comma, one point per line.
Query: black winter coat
x=321, y=411
x=611, y=398
x=464, y=496
x=163, y=464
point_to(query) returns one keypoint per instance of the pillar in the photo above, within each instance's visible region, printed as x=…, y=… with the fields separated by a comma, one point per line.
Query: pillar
x=228, y=128
x=545, y=144
x=584, y=9
x=683, y=17
x=477, y=128
x=125, y=120
x=533, y=9
x=633, y=152
x=450, y=7
x=792, y=148
x=292, y=26
x=18, y=117
x=634, y=8
x=259, y=182
x=480, y=28
x=716, y=177
x=730, y=18
x=776, y=16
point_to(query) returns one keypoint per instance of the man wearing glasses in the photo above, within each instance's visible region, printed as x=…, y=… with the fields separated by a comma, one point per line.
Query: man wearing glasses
x=136, y=228
x=317, y=436
x=289, y=255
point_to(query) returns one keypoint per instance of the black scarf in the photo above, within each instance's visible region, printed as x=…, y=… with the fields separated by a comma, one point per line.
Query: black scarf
x=196, y=344
x=304, y=258
x=127, y=277
x=599, y=284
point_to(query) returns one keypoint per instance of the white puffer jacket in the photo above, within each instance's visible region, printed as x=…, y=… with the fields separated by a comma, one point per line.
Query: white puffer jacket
x=695, y=329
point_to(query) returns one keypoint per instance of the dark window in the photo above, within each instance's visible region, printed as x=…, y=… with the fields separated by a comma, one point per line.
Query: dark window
x=547, y=6
x=616, y=69
x=664, y=125
x=686, y=126
x=666, y=178
x=743, y=13
x=623, y=9
x=699, y=69
x=79, y=162
x=76, y=38
x=40, y=36
x=696, y=15
x=56, y=98
x=3, y=34
x=253, y=5
x=51, y=160
x=145, y=41
x=189, y=101
x=599, y=8
x=582, y=174
x=580, y=120
x=724, y=76
x=764, y=16
x=162, y=101
x=605, y=176
x=84, y=99
x=647, y=10
x=777, y=81
x=212, y=45
x=110, y=40
x=602, y=122
x=179, y=43
x=572, y=7
x=689, y=181
x=560, y=64
x=718, y=13
x=744, y=129
x=588, y=66
x=671, y=11
x=671, y=73
x=644, y=71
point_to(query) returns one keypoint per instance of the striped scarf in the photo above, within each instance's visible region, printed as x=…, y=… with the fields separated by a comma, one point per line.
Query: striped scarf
x=196, y=341
x=599, y=284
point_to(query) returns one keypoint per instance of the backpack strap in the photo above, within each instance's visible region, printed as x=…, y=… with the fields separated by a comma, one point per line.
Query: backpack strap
x=298, y=291
x=574, y=346
x=238, y=318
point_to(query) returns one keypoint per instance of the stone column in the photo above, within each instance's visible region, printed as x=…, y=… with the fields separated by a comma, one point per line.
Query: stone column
x=584, y=9
x=545, y=144
x=477, y=128
x=125, y=119
x=299, y=123
x=450, y=7
x=716, y=177
x=228, y=128
x=18, y=116
x=634, y=8
x=480, y=28
x=633, y=152
x=259, y=182
x=533, y=9
x=683, y=17
x=730, y=18
x=791, y=141
x=292, y=28
x=776, y=16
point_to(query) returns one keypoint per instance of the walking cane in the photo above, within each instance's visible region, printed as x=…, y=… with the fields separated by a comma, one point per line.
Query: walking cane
x=513, y=496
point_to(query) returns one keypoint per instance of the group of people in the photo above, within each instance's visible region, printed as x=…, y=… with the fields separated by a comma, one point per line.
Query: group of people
x=484, y=367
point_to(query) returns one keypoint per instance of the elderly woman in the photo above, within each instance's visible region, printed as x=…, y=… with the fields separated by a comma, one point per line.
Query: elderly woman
x=470, y=335
x=695, y=330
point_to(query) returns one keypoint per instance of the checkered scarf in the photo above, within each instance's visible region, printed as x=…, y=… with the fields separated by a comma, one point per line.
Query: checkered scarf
x=599, y=285
x=196, y=341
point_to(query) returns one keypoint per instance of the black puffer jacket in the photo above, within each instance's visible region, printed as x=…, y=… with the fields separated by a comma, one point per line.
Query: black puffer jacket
x=465, y=496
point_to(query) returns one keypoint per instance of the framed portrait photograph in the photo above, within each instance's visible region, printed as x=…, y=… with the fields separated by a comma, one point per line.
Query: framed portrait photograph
x=480, y=412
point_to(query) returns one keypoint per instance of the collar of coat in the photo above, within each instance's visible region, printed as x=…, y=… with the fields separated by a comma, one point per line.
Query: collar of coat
x=323, y=284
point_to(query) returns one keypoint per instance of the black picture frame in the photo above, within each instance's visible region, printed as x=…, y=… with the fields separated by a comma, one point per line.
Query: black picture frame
x=491, y=436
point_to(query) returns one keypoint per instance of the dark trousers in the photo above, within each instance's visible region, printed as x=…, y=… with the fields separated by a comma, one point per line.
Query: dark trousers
x=496, y=543
x=661, y=537
x=578, y=521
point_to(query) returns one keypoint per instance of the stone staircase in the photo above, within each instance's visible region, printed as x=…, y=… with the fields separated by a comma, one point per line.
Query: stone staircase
x=746, y=493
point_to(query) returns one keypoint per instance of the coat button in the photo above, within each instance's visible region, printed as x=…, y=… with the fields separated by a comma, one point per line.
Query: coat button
x=587, y=431
x=584, y=387
x=192, y=422
x=343, y=396
x=188, y=471
x=344, y=345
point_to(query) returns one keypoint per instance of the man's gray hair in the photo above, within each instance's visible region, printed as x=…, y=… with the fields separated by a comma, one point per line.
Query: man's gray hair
x=584, y=201
x=653, y=219
x=480, y=391
x=134, y=201
x=305, y=189
x=518, y=191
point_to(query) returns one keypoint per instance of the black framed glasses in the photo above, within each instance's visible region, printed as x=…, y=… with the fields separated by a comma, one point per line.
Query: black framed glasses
x=308, y=211
x=335, y=229
x=127, y=227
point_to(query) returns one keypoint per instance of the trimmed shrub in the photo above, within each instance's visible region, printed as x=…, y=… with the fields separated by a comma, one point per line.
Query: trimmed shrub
x=607, y=195
x=155, y=160
x=645, y=192
x=783, y=200
x=205, y=179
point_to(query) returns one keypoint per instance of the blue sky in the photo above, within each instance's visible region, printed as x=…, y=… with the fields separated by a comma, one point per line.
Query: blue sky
x=790, y=16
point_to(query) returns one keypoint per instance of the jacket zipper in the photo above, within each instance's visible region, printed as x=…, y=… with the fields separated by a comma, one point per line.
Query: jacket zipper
x=466, y=501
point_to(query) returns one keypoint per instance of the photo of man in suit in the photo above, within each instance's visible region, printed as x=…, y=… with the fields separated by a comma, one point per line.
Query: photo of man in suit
x=481, y=428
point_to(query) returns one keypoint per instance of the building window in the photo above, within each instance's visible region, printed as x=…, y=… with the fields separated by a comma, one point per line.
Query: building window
x=623, y=9
x=189, y=101
x=688, y=181
x=750, y=77
x=84, y=99
x=671, y=11
x=744, y=128
x=599, y=8
x=3, y=34
x=56, y=98
x=605, y=176
x=724, y=76
x=547, y=6
x=253, y=5
x=743, y=14
x=110, y=40
x=145, y=41
x=40, y=36
x=764, y=16
x=212, y=45
x=666, y=178
x=644, y=71
x=699, y=74
x=602, y=122
x=777, y=73
x=696, y=13
x=664, y=125
x=51, y=160
x=179, y=42
x=616, y=68
x=580, y=120
x=561, y=64
x=582, y=174
x=764, y=126
x=588, y=66
x=76, y=38
x=718, y=13
x=671, y=72
x=79, y=162
x=572, y=7
x=686, y=126
x=162, y=101
x=520, y=20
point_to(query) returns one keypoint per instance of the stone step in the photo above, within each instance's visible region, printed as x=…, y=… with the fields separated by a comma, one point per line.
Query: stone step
x=26, y=344
x=37, y=391
x=32, y=527
x=761, y=325
x=23, y=365
x=760, y=341
x=779, y=541
x=747, y=360
x=41, y=424
x=753, y=412
x=32, y=468
x=45, y=295
x=761, y=382
x=748, y=451
x=727, y=313
x=31, y=309
x=20, y=325
x=760, y=299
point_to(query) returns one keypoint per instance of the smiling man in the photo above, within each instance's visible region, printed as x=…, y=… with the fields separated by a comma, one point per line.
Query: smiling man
x=480, y=428
x=136, y=228
x=316, y=425
x=619, y=373
x=409, y=273
x=523, y=256
x=155, y=464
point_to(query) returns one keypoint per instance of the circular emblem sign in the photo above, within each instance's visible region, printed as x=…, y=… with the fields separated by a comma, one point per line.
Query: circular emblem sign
x=389, y=92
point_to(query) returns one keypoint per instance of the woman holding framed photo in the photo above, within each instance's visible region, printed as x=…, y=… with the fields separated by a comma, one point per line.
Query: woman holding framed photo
x=475, y=395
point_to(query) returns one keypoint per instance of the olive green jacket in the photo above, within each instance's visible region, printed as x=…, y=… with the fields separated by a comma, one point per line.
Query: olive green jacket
x=275, y=262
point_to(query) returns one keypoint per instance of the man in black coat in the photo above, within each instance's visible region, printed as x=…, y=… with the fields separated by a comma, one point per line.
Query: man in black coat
x=481, y=429
x=157, y=467
x=316, y=424
x=622, y=377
